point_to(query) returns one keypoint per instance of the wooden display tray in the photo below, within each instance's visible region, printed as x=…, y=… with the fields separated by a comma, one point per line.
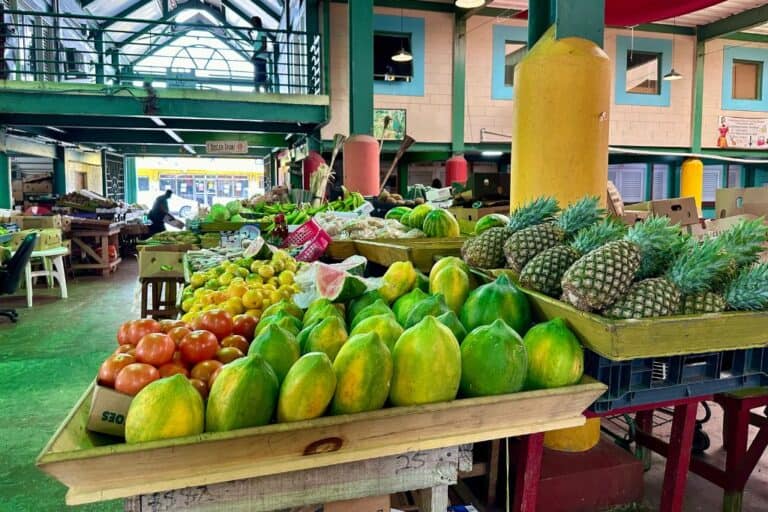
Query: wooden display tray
x=98, y=468
x=420, y=251
x=621, y=340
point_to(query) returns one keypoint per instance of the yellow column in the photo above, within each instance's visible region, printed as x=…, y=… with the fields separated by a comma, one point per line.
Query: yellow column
x=692, y=180
x=560, y=121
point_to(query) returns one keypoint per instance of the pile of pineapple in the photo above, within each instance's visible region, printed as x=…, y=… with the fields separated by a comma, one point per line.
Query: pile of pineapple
x=650, y=269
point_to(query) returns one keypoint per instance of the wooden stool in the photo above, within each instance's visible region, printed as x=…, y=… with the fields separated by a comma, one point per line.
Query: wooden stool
x=163, y=292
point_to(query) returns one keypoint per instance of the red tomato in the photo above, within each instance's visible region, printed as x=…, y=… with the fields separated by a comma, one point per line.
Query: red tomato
x=228, y=354
x=177, y=333
x=198, y=346
x=218, y=321
x=111, y=367
x=214, y=375
x=126, y=349
x=237, y=341
x=137, y=330
x=155, y=349
x=132, y=379
x=169, y=369
x=200, y=386
x=244, y=325
x=124, y=332
x=205, y=369
x=168, y=324
x=177, y=359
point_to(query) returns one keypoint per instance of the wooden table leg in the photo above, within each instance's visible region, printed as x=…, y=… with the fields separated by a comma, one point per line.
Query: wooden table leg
x=678, y=457
x=736, y=438
x=105, y=255
x=528, y=472
x=644, y=422
x=433, y=499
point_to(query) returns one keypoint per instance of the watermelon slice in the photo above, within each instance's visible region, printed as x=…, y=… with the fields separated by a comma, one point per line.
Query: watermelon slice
x=338, y=285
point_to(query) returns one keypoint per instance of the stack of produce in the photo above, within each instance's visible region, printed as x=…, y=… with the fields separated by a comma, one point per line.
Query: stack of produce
x=415, y=339
x=364, y=228
x=652, y=269
x=172, y=238
x=86, y=201
x=246, y=285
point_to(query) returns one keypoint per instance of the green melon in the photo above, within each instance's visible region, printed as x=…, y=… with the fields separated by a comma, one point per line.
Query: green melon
x=418, y=214
x=499, y=299
x=434, y=305
x=493, y=361
x=397, y=212
x=555, y=356
x=278, y=347
x=404, y=305
x=379, y=307
x=494, y=220
x=356, y=305
x=451, y=321
x=363, y=369
x=439, y=223
x=338, y=285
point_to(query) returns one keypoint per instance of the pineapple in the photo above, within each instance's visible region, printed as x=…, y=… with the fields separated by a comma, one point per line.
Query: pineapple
x=545, y=271
x=748, y=291
x=694, y=271
x=743, y=242
x=487, y=249
x=602, y=276
x=527, y=243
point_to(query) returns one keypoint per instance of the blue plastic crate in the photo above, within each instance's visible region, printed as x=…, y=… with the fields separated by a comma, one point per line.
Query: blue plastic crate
x=660, y=379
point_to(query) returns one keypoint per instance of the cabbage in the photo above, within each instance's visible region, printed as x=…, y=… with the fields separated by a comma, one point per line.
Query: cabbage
x=219, y=212
x=236, y=218
x=234, y=207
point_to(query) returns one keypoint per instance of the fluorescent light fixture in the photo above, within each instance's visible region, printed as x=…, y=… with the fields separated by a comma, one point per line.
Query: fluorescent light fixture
x=492, y=153
x=469, y=4
x=175, y=136
x=159, y=122
x=402, y=56
x=54, y=129
x=672, y=75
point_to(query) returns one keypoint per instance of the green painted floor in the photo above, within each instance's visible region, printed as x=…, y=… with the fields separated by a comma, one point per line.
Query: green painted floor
x=47, y=360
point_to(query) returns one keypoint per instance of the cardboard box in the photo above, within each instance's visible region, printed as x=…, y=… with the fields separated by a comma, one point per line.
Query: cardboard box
x=715, y=227
x=108, y=411
x=38, y=221
x=738, y=201
x=468, y=217
x=371, y=504
x=615, y=203
x=158, y=262
x=681, y=210
x=17, y=190
x=38, y=187
x=46, y=238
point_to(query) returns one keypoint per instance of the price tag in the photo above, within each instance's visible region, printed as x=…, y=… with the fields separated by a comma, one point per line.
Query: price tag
x=231, y=240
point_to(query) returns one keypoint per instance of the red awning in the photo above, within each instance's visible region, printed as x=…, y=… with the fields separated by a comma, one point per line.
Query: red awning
x=626, y=13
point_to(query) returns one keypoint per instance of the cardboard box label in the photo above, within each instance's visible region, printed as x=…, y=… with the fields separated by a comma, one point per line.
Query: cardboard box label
x=108, y=411
x=154, y=263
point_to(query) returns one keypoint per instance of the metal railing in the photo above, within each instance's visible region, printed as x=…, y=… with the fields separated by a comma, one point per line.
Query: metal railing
x=200, y=53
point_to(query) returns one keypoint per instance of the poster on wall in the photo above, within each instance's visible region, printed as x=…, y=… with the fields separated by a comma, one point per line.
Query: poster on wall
x=742, y=132
x=396, y=127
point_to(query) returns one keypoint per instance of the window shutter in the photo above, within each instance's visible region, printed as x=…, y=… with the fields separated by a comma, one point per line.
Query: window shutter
x=633, y=184
x=734, y=175
x=712, y=180
x=659, y=188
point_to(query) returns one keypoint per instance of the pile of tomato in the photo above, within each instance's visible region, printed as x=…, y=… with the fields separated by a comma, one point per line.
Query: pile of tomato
x=149, y=350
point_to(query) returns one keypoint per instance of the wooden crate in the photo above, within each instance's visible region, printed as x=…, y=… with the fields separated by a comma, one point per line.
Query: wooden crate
x=422, y=252
x=657, y=337
x=339, y=250
x=96, y=468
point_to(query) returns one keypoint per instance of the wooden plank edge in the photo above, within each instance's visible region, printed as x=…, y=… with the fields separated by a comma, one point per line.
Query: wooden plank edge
x=83, y=495
x=86, y=396
x=589, y=388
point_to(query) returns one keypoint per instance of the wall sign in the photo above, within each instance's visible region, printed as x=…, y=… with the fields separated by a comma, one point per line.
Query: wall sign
x=226, y=147
x=395, y=129
x=742, y=132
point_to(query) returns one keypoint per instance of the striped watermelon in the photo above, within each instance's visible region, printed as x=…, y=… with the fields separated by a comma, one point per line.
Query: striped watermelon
x=494, y=220
x=440, y=224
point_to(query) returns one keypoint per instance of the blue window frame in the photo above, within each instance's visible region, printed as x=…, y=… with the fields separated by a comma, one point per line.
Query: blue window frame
x=737, y=53
x=662, y=47
x=503, y=34
x=414, y=27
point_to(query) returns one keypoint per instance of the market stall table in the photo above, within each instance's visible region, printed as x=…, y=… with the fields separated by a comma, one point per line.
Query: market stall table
x=105, y=234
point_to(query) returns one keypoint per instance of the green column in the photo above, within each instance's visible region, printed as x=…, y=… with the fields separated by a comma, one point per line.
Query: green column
x=99, y=45
x=402, y=178
x=360, y=18
x=131, y=182
x=585, y=19
x=60, y=172
x=698, y=97
x=6, y=195
x=459, y=83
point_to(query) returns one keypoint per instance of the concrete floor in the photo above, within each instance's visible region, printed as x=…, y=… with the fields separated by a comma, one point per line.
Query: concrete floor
x=49, y=358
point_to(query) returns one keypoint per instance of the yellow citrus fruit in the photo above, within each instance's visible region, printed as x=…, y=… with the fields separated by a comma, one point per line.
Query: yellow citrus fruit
x=237, y=289
x=278, y=266
x=242, y=272
x=286, y=293
x=236, y=303
x=197, y=280
x=275, y=297
x=212, y=284
x=256, y=265
x=266, y=303
x=225, y=278
x=256, y=313
x=196, y=308
x=186, y=305
x=266, y=271
x=251, y=299
x=286, y=277
x=190, y=317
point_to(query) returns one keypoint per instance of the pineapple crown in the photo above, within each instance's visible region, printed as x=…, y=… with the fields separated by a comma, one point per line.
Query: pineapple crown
x=658, y=242
x=749, y=289
x=696, y=268
x=744, y=241
x=597, y=235
x=581, y=214
x=539, y=210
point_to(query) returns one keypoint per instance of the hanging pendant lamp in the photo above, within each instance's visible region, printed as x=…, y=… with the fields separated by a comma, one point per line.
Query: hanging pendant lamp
x=469, y=4
x=673, y=75
x=403, y=55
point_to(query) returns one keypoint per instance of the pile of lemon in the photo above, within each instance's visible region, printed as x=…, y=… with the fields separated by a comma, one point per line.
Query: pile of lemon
x=245, y=286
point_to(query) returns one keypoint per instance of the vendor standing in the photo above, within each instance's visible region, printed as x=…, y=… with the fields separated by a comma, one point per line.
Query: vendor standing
x=159, y=212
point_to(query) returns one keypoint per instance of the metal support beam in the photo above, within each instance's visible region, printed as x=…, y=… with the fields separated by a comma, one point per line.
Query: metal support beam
x=6, y=193
x=419, y=5
x=698, y=98
x=131, y=181
x=60, y=172
x=736, y=23
x=360, y=19
x=149, y=138
x=459, y=84
x=402, y=178
x=585, y=19
x=99, y=46
x=25, y=146
x=125, y=13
